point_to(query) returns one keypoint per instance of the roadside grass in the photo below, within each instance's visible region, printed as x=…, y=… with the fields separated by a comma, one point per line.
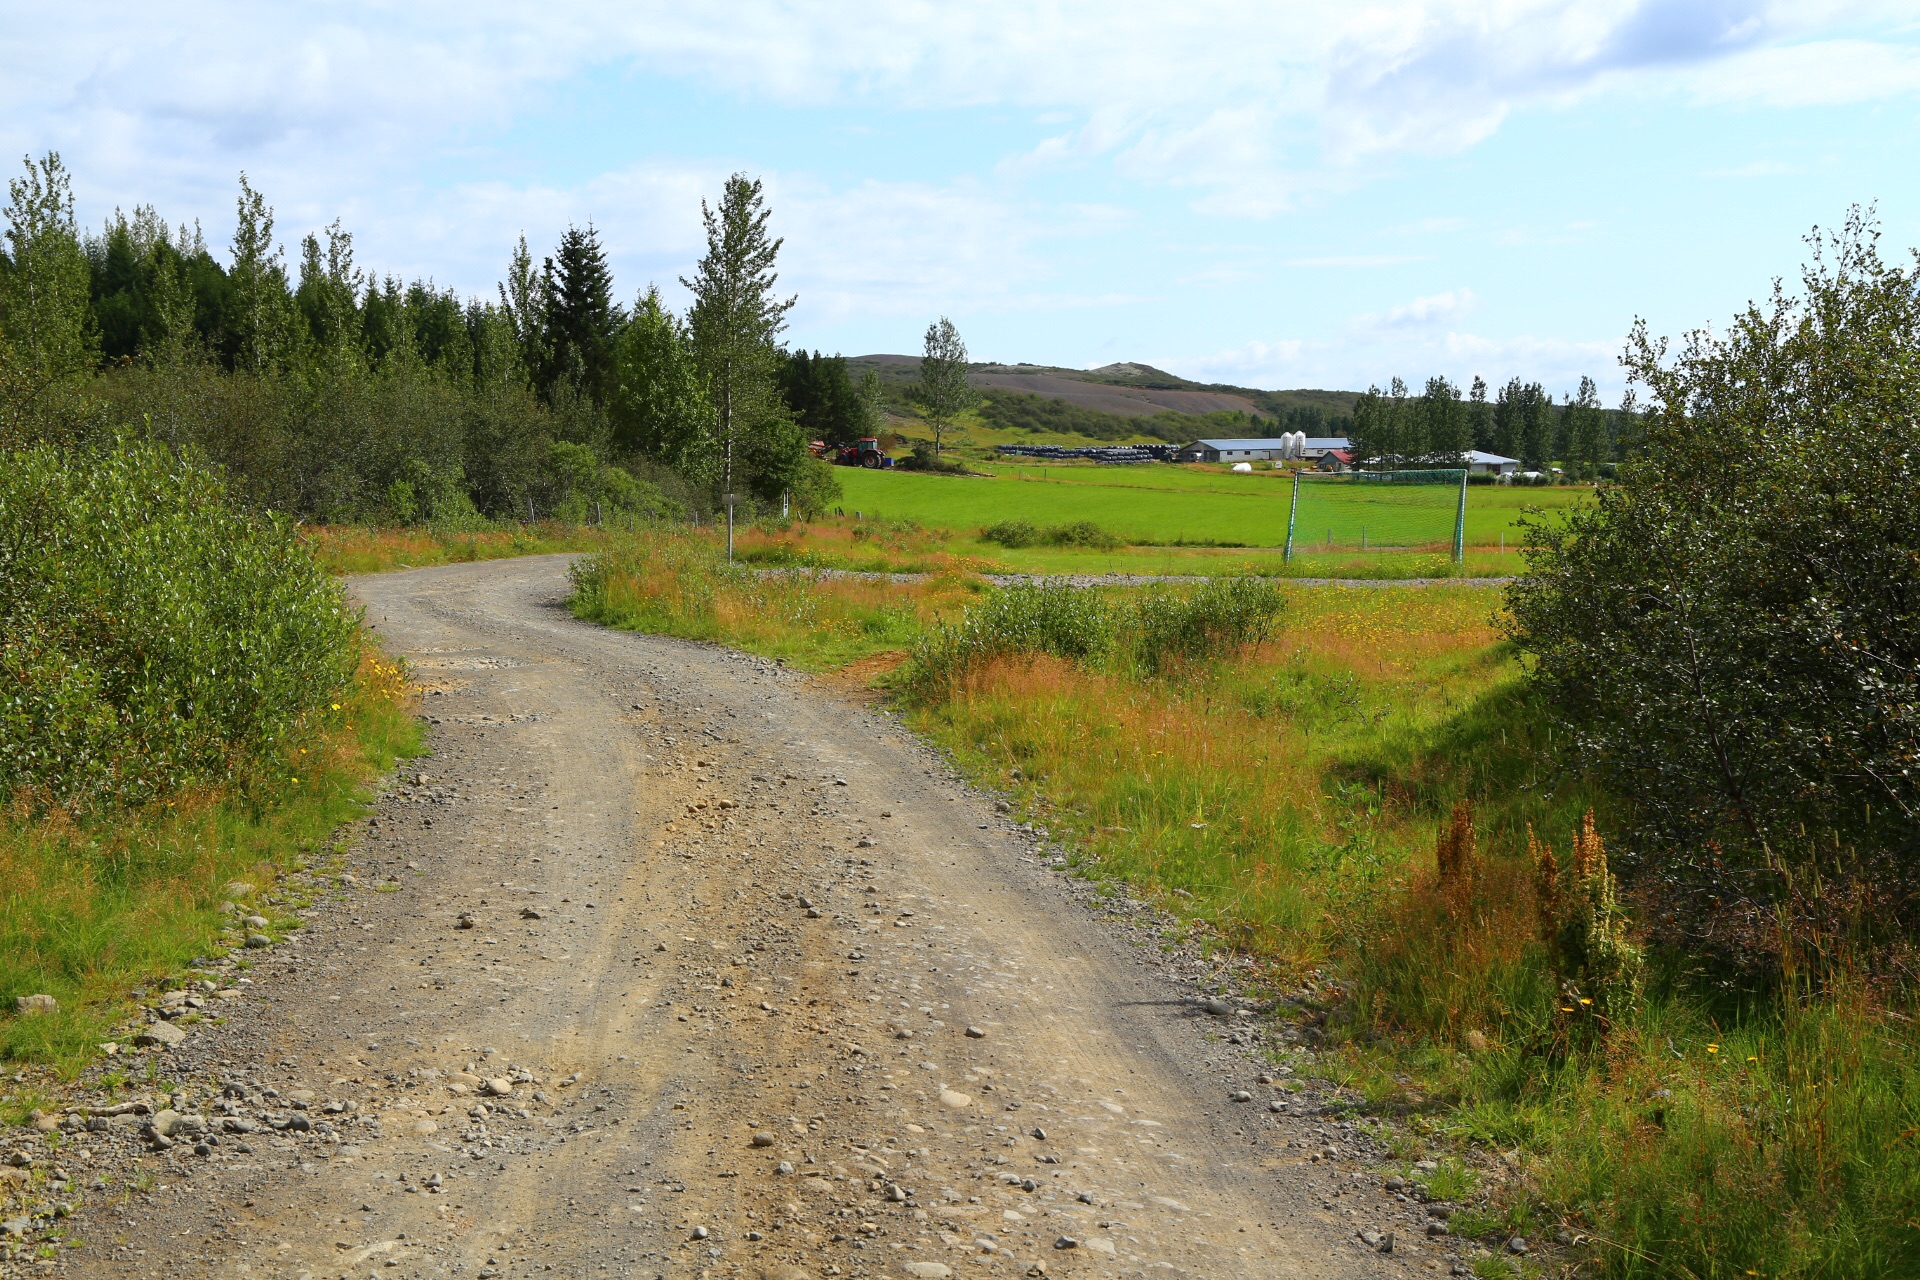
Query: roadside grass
x=1287, y=798
x=349, y=549
x=93, y=907
x=679, y=584
x=906, y=546
x=883, y=545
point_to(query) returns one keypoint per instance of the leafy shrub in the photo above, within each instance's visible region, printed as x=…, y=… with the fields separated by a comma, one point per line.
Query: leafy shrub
x=1079, y=533
x=1152, y=632
x=154, y=636
x=1012, y=533
x=1214, y=619
x=1084, y=533
x=1730, y=631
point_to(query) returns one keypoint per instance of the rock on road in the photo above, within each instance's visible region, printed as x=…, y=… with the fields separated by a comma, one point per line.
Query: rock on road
x=670, y=962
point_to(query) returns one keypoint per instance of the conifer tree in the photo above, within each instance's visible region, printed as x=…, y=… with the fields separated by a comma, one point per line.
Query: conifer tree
x=1536, y=427
x=1479, y=415
x=1444, y=420
x=1507, y=419
x=736, y=317
x=582, y=320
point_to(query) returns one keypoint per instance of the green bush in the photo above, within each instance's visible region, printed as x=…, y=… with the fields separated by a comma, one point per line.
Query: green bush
x=1730, y=632
x=1215, y=618
x=154, y=636
x=1012, y=533
x=1152, y=631
x=1079, y=533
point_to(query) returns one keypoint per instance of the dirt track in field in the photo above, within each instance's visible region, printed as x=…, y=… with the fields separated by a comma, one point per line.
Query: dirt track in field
x=775, y=993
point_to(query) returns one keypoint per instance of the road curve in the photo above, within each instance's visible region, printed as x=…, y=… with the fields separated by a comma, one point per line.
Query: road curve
x=775, y=995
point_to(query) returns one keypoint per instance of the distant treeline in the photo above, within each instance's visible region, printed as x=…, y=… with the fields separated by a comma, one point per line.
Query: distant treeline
x=1393, y=427
x=333, y=393
x=1023, y=411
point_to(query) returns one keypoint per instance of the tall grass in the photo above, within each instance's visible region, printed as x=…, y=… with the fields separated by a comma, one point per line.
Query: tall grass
x=92, y=906
x=1151, y=631
x=349, y=549
x=1297, y=796
x=679, y=584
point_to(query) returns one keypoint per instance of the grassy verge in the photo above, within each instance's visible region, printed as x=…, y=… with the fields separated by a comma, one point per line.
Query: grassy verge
x=1289, y=799
x=92, y=907
x=677, y=584
x=343, y=549
x=903, y=546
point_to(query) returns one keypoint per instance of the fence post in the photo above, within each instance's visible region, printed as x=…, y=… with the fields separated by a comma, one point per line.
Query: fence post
x=1293, y=510
x=1460, y=522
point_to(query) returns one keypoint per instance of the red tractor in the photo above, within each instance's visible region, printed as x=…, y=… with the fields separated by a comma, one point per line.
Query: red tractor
x=864, y=452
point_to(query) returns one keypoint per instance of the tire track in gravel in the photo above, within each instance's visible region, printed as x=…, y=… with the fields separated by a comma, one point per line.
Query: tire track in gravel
x=774, y=993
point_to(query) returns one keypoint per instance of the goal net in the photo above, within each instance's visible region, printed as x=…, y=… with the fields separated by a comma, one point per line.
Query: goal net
x=1378, y=511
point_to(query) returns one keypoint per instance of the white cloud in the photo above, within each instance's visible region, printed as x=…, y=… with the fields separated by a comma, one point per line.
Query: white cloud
x=1420, y=313
x=1249, y=103
x=1557, y=363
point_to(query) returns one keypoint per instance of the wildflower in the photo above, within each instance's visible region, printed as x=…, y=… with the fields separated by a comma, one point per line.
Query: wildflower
x=1713, y=1048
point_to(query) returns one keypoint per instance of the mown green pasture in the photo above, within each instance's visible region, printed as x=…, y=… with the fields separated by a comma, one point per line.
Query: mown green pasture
x=1161, y=505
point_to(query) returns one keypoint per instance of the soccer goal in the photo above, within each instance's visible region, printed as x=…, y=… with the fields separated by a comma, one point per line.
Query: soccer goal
x=1379, y=511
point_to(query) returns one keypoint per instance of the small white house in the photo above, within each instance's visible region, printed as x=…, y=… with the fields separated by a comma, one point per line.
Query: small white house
x=1491, y=463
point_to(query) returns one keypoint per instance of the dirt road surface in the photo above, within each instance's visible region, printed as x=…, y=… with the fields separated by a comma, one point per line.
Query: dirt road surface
x=671, y=963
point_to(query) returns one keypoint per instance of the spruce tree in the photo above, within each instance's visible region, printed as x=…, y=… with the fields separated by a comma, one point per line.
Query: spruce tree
x=582, y=320
x=1444, y=420
x=1479, y=415
x=1536, y=427
x=1507, y=409
x=735, y=318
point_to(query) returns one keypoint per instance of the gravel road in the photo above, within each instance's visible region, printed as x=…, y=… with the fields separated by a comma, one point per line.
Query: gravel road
x=669, y=962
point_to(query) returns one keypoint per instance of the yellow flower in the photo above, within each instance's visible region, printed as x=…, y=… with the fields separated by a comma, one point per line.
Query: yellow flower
x=1585, y=1000
x=294, y=780
x=336, y=706
x=1713, y=1048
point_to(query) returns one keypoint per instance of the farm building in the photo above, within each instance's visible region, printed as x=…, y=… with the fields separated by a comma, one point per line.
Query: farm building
x=1477, y=461
x=1298, y=445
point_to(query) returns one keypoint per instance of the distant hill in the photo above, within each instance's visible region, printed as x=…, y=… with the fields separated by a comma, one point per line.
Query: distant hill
x=1129, y=390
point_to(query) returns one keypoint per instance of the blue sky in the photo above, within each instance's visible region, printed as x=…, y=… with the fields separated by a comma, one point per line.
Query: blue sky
x=1272, y=194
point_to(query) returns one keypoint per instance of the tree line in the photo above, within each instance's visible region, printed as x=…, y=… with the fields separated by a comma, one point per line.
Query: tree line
x=1437, y=427
x=337, y=394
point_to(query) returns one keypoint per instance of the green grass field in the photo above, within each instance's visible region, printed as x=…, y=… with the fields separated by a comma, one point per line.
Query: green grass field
x=1160, y=505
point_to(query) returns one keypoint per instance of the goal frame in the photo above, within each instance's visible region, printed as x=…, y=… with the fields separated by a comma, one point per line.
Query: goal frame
x=1428, y=476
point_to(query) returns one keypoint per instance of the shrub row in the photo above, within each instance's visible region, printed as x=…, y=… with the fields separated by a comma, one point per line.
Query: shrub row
x=1078, y=533
x=1152, y=631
